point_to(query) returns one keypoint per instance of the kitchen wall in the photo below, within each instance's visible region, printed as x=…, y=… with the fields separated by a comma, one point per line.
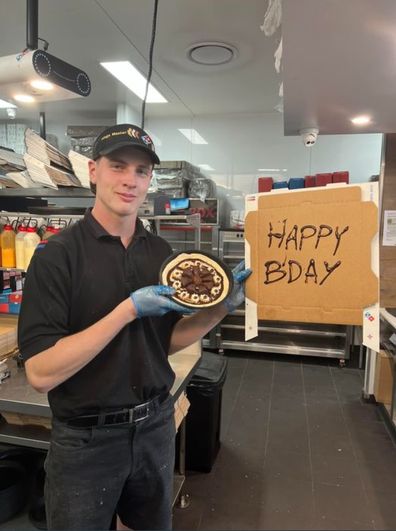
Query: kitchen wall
x=240, y=147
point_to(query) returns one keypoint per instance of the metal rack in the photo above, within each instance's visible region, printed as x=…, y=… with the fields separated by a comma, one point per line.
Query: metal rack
x=186, y=232
x=307, y=339
x=180, y=227
x=388, y=343
x=47, y=192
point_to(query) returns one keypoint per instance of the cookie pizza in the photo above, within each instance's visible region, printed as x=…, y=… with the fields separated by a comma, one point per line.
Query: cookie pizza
x=200, y=281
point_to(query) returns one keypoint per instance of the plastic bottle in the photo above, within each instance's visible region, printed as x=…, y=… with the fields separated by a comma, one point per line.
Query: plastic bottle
x=20, y=247
x=8, y=246
x=50, y=231
x=30, y=240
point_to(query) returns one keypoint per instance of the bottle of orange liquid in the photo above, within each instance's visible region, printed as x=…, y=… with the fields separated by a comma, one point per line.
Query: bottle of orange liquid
x=8, y=258
x=20, y=247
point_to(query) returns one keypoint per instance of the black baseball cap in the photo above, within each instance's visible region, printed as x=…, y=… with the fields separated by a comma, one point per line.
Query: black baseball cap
x=123, y=135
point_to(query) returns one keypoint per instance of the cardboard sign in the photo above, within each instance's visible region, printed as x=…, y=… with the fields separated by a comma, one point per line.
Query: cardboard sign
x=311, y=255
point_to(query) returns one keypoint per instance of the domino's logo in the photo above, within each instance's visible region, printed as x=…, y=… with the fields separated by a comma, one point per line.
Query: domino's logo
x=369, y=317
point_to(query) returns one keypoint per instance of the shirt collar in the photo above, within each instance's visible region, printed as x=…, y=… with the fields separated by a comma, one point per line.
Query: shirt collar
x=99, y=232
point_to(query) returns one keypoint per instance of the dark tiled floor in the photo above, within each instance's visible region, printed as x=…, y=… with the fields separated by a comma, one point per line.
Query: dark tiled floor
x=300, y=450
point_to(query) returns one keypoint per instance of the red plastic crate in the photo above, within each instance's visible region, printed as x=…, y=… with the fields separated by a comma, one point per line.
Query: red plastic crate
x=324, y=178
x=341, y=177
x=265, y=184
x=310, y=181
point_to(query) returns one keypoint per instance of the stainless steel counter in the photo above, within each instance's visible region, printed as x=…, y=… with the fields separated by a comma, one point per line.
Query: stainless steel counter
x=17, y=396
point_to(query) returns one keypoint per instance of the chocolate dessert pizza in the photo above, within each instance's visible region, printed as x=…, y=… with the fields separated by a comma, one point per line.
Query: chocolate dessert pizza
x=200, y=280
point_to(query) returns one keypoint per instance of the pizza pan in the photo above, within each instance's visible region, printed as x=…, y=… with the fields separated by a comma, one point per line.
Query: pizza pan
x=214, y=264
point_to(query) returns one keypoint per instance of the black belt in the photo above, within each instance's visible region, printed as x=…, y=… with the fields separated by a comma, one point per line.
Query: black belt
x=131, y=415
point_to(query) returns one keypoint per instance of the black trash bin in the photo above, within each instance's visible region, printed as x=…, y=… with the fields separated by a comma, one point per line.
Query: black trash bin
x=21, y=480
x=204, y=416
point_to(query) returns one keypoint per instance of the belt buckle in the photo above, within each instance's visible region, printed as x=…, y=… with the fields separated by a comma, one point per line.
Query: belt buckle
x=143, y=417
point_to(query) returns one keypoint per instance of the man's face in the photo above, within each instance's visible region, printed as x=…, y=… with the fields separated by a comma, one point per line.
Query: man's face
x=122, y=180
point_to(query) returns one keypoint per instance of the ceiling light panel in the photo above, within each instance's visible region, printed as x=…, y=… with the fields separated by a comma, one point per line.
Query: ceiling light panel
x=193, y=136
x=41, y=84
x=206, y=167
x=24, y=98
x=130, y=76
x=361, y=120
x=7, y=105
x=269, y=169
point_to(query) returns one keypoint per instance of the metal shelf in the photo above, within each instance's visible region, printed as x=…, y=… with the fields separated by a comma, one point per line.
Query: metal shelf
x=387, y=331
x=280, y=330
x=46, y=192
x=12, y=269
x=283, y=349
x=25, y=435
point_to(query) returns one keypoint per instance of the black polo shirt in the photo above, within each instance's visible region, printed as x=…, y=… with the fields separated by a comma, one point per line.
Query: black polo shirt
x=77, y=278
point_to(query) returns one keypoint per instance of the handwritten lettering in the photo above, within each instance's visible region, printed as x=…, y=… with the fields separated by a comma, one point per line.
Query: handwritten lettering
x=275, y=271
x=292, y=266
x=311, y=272
x=338, y=236
x=292, y=237
x=273, y=267
x=322, y=234
x=307, y=231
x=279, y=235
x=297, y=237
x=330, y=269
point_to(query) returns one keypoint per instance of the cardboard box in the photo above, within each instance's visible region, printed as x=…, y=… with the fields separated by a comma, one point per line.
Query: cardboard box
x=19, y=419
x=8, y=334
x=383, y=382
x=311, y=256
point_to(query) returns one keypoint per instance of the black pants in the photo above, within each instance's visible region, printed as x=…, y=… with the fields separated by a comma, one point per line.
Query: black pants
x=91, y=473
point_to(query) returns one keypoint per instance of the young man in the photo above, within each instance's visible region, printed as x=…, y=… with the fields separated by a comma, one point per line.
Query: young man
x=95, y=331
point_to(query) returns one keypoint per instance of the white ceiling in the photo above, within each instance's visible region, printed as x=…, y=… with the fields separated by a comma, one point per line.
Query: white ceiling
x=339, y=58
x=339, y=61
x=85, y=32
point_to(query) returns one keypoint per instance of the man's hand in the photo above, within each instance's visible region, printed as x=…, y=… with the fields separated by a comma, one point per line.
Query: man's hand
x=153, y=301
x=237, y=296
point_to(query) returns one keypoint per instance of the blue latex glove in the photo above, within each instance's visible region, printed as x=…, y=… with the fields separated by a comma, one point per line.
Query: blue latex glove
x=237, y=295
x=154, y=301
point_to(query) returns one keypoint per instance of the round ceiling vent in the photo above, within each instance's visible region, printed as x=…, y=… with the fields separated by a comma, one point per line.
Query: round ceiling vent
x=211, y=53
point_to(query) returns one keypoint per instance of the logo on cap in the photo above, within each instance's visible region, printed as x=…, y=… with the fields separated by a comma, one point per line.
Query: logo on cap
x=147, y=140
x=133, y=133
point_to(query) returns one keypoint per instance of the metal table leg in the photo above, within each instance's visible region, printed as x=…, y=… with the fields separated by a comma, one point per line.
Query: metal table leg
x=184, y=499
